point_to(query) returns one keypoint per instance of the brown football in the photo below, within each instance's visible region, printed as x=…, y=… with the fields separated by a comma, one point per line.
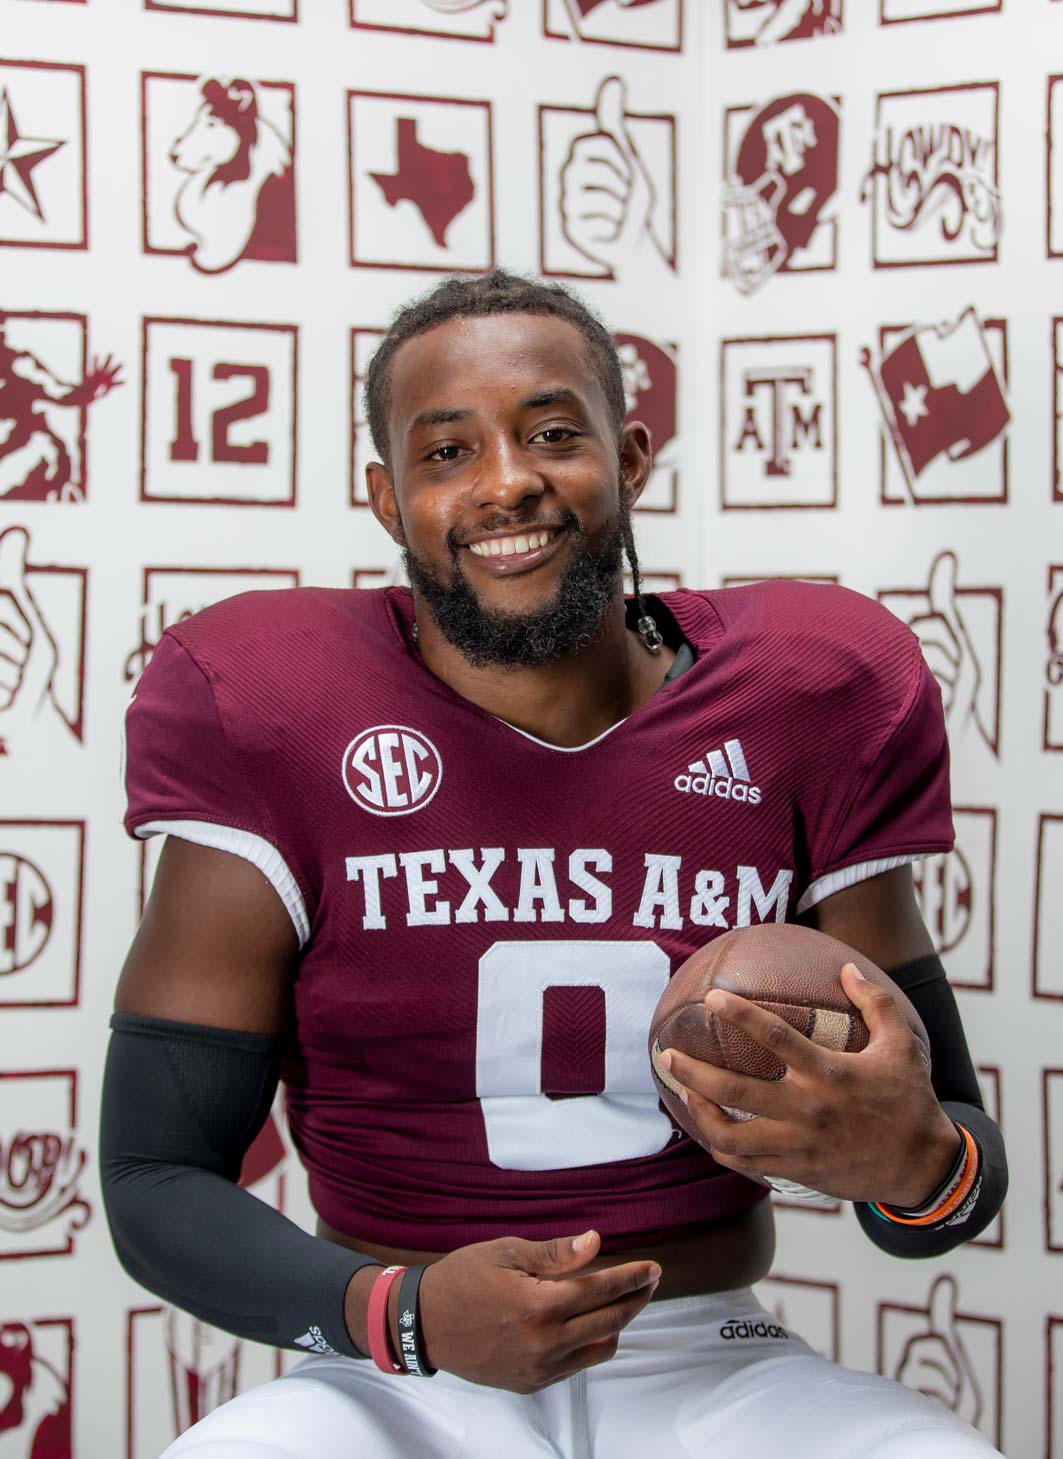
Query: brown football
x=794, y=972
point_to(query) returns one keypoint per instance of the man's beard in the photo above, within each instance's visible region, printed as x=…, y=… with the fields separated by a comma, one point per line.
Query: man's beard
x=573, y=619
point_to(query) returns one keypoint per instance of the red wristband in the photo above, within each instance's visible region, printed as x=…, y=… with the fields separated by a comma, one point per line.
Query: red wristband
x=377, y=1321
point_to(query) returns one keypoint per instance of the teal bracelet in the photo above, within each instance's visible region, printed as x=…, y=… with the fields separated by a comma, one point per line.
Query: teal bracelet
x=962, y=1177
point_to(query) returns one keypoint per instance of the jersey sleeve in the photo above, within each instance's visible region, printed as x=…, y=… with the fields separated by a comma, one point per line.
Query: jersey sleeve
x=183, y=776
x=897, y=808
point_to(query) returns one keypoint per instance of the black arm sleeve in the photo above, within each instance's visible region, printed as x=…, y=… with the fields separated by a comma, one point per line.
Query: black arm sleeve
x=956, y=1086
x=181, y=1106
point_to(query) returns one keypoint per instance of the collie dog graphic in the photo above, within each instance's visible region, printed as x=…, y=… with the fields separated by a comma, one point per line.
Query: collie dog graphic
x=238, y=200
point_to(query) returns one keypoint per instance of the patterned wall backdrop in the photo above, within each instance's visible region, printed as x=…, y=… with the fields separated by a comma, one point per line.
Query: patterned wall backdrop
x=208, y=211
x=885, y=185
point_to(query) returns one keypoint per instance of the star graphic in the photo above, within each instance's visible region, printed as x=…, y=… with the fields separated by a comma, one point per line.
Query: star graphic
x=18, y=157
x=913, y=406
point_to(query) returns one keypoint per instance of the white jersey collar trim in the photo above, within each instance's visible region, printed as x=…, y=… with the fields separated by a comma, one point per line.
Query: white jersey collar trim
x=562, y=749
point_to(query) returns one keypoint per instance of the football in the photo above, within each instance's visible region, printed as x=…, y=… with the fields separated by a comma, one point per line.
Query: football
x=792, y=971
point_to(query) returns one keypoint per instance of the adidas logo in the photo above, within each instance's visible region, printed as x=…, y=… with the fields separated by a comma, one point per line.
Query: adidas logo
x=314, y=1341
x=723, y=773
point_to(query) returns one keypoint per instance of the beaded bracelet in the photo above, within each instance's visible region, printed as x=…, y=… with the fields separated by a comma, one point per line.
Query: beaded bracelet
x=411, y=1349
x=377, y=1321
x=947, y=1199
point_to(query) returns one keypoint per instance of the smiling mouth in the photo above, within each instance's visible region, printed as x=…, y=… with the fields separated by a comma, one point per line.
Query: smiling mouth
x=515, y=546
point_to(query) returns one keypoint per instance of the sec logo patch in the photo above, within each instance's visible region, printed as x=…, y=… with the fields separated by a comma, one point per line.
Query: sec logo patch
x=391, y=770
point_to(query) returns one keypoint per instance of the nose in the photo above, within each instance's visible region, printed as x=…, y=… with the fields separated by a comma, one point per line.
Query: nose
x=509, y=475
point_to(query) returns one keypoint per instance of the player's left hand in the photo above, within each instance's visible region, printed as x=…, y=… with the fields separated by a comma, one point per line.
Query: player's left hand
x=859, y=1127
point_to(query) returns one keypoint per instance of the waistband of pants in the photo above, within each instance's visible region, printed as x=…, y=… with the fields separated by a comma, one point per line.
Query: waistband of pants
x=735, y=1302
x=732, y=1299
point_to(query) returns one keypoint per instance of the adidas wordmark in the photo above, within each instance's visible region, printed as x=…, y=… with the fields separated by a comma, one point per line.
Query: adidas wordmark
x=314, y=1341
x=723, y=774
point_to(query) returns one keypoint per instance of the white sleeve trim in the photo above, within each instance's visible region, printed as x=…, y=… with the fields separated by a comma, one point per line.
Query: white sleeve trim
x=848, y=876
x=252, y=848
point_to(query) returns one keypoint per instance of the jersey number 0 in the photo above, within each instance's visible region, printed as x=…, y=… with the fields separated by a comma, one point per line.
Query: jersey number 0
x=526, y=1130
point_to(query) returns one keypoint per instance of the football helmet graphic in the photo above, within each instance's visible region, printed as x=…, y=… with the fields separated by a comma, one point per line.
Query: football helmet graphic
x=785, y=173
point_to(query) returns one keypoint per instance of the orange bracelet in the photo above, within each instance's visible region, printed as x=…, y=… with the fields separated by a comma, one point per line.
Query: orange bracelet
x=952, y=1202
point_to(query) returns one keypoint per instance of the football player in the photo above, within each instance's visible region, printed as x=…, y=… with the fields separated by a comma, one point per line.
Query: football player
x=431, y=857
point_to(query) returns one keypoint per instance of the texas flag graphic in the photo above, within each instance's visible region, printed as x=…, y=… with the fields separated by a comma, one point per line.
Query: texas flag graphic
x=940, y=393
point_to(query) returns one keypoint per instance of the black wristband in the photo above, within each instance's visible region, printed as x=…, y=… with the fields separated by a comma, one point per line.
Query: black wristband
x=947, y=1186
x=411, y=1351
x=977, y=1211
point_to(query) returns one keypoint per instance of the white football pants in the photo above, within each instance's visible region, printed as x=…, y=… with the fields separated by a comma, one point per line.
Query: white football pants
x=677, y=1386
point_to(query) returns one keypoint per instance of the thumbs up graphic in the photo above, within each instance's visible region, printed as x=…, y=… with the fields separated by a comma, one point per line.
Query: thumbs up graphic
x=607, y=194
x=28, y=653
x=949, y=649
x=935, y=1362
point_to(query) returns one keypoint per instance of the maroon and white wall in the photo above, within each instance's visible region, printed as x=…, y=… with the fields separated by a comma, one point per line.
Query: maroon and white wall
x=886, y=216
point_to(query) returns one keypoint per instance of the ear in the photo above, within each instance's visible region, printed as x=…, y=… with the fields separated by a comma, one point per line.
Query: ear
x=636, y=459
x=384, y=502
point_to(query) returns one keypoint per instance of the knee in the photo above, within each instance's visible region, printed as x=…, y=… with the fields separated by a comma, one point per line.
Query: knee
x=951, y=1442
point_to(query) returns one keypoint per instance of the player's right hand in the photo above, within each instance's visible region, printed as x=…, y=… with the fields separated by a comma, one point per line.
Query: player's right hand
x=519, y=1315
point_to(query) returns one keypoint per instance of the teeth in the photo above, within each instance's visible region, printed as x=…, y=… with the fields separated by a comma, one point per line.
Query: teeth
x=508, y=546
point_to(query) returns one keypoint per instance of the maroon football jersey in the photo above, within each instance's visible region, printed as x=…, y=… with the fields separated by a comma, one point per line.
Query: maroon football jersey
x=487, y=921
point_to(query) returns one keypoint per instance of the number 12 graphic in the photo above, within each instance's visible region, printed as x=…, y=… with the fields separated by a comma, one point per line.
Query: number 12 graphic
x=185, y=446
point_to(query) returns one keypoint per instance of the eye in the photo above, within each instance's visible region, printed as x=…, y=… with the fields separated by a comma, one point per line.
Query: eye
x=444, y=453
x=555, y=435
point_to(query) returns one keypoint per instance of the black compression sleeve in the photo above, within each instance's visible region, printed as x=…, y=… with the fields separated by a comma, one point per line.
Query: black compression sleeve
x=956, y=1086
x=181, y=1106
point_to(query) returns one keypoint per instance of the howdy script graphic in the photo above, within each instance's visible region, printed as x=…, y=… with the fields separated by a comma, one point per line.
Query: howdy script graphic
x=938, y=171
x=933, y=180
